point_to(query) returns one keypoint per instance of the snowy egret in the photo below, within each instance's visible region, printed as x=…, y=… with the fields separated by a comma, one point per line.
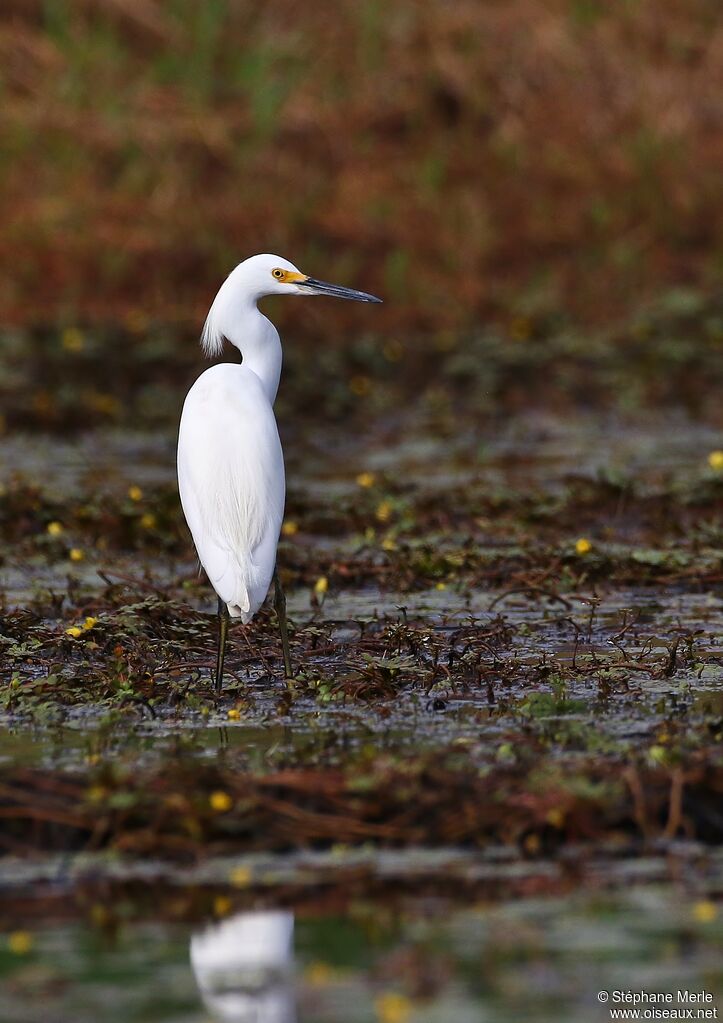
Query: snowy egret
x=230, y=463
x=244, y=967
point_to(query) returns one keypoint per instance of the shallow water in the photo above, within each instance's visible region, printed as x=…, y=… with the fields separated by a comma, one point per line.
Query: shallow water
x=456, y=936
x=413, y=719
x=419, y=959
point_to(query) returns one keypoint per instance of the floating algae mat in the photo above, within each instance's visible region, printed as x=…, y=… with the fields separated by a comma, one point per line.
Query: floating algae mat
x=509, y=645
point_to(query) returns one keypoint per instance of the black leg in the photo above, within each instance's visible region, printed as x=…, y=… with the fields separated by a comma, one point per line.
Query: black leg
x=280, y=607
x=223, y=617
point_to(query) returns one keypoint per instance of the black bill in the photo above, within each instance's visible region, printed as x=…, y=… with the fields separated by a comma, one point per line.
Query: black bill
x=315, y=287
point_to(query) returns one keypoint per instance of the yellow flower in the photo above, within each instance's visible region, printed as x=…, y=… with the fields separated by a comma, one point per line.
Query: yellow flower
x=55, y=528
x=715, y=460
x=532, y=844
x=441, y=586
x=318, y=974
x=148, y=520
x=366, y=479
x=384, y=511
x=321, y=586
x=520, y=328
x=388, y=544
x=106, y=404
x=221, y=905
x=360, y=385
x=221, y=802
x=74, y=631
x=89, y=623
x=290, y=528
x=76, y=554
x=241, y=877
x=583, y=546
x=135, y=493
x=72, y=340
x=393, y=351
x=99, y=914
x=446, y=341
x=234, y=714
x=705, y=911
x=391, y=1007
x=555, y=818
x=20, y=943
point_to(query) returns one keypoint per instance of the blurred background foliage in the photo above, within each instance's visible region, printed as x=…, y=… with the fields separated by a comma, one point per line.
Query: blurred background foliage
x=469, y=160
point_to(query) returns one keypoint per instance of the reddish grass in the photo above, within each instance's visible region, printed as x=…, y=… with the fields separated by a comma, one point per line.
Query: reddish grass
x=464, y=160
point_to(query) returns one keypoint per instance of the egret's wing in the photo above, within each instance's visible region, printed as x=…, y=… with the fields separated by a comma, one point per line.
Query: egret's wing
x=231, y=481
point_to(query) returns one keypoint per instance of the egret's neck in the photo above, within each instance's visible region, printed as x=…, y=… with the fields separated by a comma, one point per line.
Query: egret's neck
x=257, y=339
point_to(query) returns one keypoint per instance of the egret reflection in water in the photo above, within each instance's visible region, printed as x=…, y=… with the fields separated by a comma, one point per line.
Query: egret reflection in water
x=244, y=967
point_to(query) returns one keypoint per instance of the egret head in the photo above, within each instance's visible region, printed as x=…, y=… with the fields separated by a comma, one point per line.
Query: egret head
x=254, y=279
x=272, y=275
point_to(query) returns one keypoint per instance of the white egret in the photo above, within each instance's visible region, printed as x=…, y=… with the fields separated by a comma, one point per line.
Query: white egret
x=244, y=967
x=230, y=462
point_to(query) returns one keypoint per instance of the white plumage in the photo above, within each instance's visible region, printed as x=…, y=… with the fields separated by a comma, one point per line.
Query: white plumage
x=231, y=480
x=230, y=463
x=244, y=967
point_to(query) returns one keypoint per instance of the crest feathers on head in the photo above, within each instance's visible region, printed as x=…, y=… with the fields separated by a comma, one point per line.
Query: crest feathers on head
x=212, y=337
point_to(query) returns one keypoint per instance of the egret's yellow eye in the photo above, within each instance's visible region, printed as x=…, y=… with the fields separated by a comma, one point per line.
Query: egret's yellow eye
x=287, y=276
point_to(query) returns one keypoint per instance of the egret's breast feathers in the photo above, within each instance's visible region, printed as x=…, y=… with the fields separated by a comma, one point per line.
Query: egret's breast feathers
x=231, y=477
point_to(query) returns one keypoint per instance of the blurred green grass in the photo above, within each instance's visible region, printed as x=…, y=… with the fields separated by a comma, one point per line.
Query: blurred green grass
x=467, y=161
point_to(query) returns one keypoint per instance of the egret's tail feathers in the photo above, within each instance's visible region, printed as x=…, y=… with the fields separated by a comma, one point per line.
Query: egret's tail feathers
x=243, y=584
x=231, y=577
x=241, y=571
x=236, y=612
x=240, y=606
